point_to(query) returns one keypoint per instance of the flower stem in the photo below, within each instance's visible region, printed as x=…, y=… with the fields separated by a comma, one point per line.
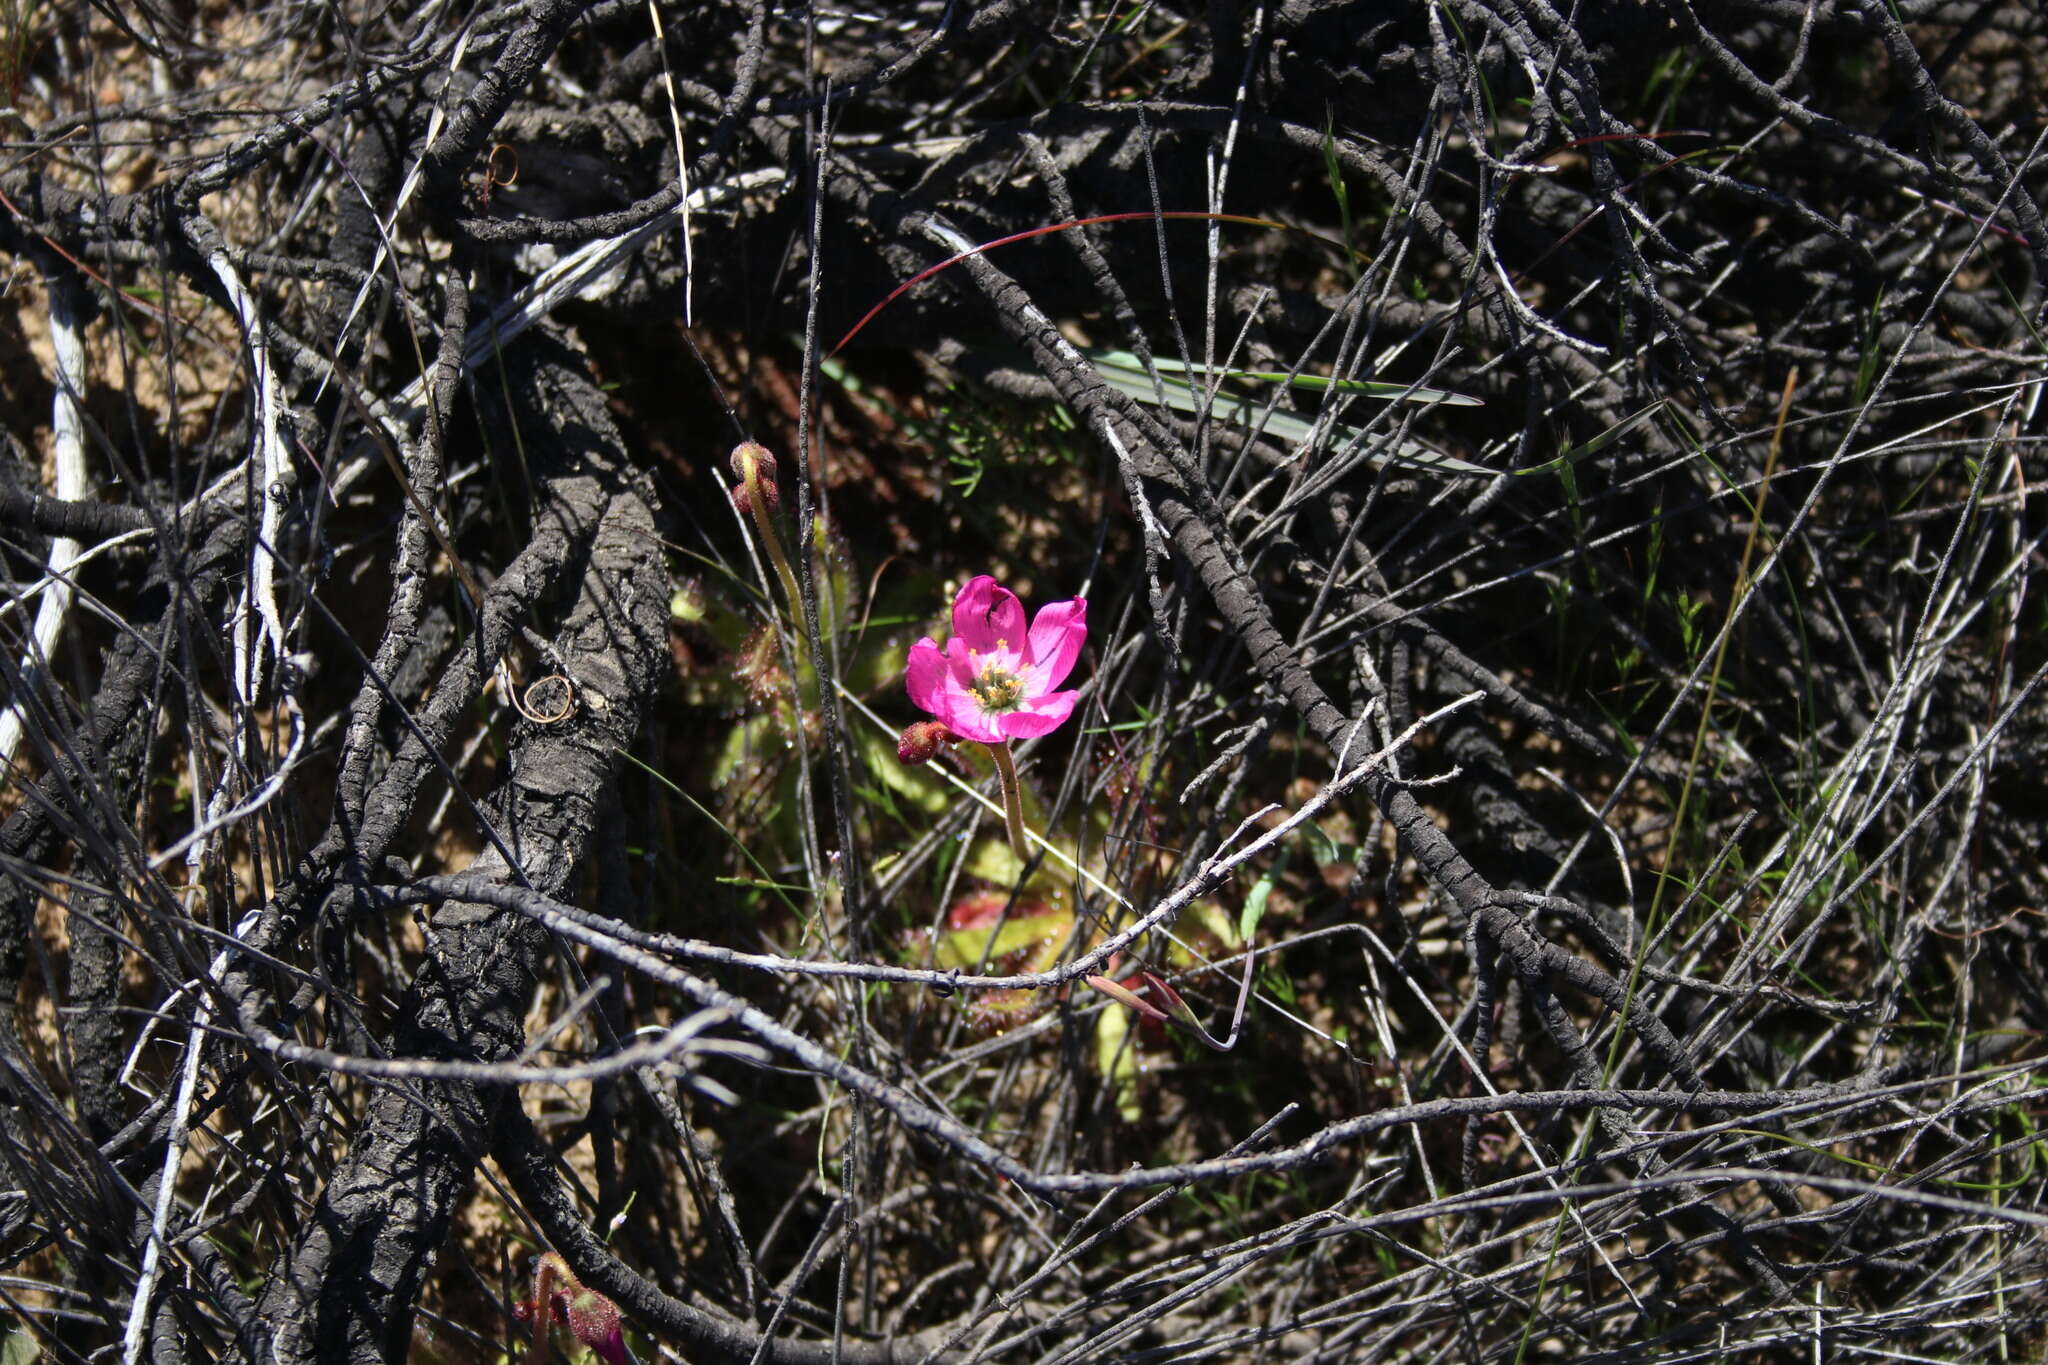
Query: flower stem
x=1013, y=800
x=756, y=500
x=543, y=1307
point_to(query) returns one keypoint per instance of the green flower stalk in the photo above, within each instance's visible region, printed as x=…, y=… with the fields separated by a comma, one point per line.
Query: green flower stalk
x=759, y=496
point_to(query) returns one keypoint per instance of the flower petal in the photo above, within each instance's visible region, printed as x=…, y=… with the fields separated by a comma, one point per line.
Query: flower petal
x=969, y=721
x=985, y=613
x=1040, y=716
x=960, y=662
x=949, y=698
x=925, y=678
x=1056, y=639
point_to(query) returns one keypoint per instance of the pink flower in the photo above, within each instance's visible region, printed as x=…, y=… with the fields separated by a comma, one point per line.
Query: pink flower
x=611, y=1347
x=995, y=680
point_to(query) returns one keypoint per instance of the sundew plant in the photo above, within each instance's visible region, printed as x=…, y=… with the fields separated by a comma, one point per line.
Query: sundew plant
x=984, y=682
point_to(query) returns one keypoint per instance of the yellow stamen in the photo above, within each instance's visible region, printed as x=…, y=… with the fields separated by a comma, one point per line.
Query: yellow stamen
x=997, y=689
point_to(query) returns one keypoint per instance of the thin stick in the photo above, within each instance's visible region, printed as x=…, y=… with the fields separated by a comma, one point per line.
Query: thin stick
x=167, y=1178
x=67, y=438
x=675, y=123
x=273, y=479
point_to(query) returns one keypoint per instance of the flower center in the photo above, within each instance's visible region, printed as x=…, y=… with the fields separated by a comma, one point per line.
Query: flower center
x=997, y=689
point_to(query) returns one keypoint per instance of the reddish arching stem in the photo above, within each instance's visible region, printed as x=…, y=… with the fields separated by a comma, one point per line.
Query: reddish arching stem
x=1013, y=799
x=1136, y=215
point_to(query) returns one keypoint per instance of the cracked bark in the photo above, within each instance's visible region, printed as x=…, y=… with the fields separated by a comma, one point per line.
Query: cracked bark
x=346, y=1288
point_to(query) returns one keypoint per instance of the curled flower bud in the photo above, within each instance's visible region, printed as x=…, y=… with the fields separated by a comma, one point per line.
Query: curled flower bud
x=771, y=498
x=755, y=454
x=922, y=740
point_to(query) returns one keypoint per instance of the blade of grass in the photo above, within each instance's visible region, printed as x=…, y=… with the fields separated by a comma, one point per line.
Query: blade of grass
x=1369, y=388
x=1243, y=412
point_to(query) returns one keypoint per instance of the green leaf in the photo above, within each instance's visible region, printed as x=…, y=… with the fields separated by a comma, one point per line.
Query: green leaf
x=1255, y=903
x=1116, y=1057
x=1321, y=846
x=1254, y=908
x=1571, y=455
x=742, y=743
x=969, y=948
x=1339, y=191
x=1209, y=918
x=917, y=786
x=993, y=860
x=759, y=884
x=1123, y=372
x=1368, y=388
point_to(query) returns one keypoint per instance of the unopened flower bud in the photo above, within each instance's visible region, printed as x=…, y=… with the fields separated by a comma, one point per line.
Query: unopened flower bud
x=594, y=1320
x=771, y=497
x=922, y=740
x=755, y=454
